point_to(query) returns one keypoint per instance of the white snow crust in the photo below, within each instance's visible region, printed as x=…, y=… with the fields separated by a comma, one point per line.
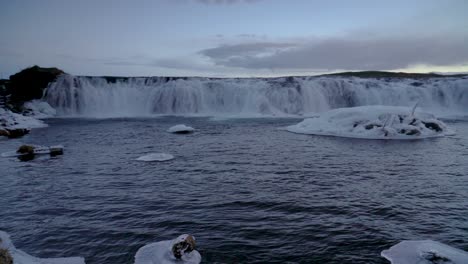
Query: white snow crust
x=21, y=257
x=373, y=122
x=181, y=128
x=160, y=253
x=424, y=252
x=10, y=120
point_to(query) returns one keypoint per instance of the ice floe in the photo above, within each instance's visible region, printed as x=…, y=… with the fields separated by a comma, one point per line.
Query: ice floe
x=156, y=157
x=374, y=122
x=21, y=257
x=180, y=250
x=181, y=129
x=424, y=252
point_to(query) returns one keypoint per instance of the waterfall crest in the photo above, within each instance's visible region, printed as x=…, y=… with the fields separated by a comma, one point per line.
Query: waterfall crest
x=289, y=96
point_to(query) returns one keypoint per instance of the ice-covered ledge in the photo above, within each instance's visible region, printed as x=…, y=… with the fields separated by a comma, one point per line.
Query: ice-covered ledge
x=374, y=122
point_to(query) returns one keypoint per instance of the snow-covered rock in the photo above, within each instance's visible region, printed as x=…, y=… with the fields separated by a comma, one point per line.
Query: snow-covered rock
x=374, y=122
x=156, y=157
x=181, y=129
x=21, y=257
x=162, y=252
x=39, y=109
x=10, y=120
x=424, y=252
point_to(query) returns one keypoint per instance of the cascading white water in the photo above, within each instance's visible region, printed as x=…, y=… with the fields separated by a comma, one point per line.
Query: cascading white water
x=125, y=97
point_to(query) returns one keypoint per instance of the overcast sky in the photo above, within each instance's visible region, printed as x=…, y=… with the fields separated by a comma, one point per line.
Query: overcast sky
x=233, y=37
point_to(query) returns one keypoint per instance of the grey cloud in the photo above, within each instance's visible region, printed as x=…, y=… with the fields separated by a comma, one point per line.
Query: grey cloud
x=344, y=53
x=227, y=52
x=226, y=1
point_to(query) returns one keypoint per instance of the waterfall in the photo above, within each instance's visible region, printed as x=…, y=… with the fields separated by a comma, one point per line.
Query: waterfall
x=288, y=96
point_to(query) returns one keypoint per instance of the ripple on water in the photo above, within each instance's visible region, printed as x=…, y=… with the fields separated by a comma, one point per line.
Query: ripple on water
x=248, y=197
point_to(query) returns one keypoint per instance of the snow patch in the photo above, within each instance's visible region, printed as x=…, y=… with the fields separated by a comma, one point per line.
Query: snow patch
x=374, y=122
x=21, y=257
x=161, y=253
x=10, y=120
x=156, y=157
x=424, y=252
x=180, y=129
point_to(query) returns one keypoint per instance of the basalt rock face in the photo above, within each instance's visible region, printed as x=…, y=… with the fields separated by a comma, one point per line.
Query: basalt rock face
x=30, y=83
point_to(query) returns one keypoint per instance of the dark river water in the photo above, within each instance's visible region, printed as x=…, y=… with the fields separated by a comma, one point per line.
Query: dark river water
x=248, y=191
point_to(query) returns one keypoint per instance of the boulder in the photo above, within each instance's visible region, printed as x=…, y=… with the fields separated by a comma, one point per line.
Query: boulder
x=5, y=256
x=56, y=150
x=30, y=83
x=182, y=245
x=4, y=133
x=26, y=149
x=16, y=133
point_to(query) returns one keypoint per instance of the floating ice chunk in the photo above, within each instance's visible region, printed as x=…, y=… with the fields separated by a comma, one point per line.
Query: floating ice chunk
x=424, y=252
x=373, y=122
x=181, y=129
x=39, y=109
x=156, y=157
x=163, y=252
x=20, y=257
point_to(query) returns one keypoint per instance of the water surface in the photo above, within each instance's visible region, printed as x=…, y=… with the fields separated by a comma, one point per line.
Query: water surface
x=248, y=191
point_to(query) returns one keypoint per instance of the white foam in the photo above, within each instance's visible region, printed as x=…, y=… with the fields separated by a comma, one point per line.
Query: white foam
x=21, y=257
x=424, y=252
x=160, y=253
x=373, y=122
x=181, y=128
x=156, y=157
x=39, y=109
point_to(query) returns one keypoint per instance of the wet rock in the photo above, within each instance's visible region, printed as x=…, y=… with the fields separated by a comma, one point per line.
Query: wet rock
x=432, y=125
x=56, y=150
x=16, y=133
x=4, y=133
x=5, y=256
x=433, y=257
x=26, y=149
x=183, y=245
x=371, y=126
x=412, y=132
x=30, y=83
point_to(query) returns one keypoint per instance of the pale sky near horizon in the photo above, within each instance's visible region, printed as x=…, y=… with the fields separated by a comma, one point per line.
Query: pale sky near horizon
x=226, y=38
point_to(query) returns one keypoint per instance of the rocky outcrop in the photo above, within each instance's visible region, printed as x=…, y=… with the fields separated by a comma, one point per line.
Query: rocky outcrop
x=29, y=84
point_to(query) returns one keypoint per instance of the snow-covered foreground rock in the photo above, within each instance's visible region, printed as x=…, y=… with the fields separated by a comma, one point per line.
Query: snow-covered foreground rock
x=21, y=257
x=424, y=252
x=374, y=122
x=163, y=252
x=10, y=120
x=156, y=157
x=181, y=129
